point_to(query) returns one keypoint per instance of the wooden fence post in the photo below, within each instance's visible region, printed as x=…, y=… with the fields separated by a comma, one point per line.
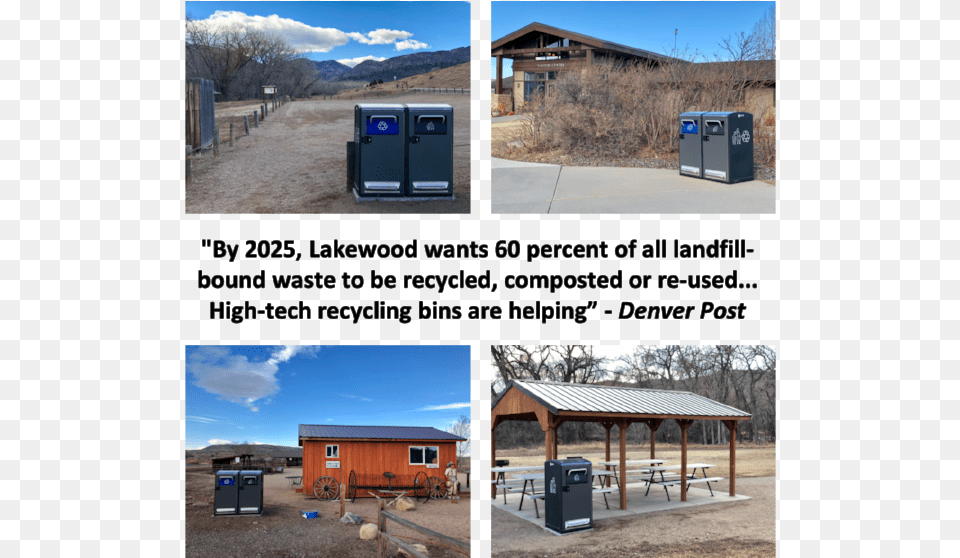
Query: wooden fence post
x=380, y=530
x=231, y=134
x=216, y=142
x=343, y=491
x=256, y=120
x=246, y=126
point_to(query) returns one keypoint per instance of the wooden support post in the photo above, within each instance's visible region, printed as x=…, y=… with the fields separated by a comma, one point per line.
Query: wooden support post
x=623, y=463
x=231, y=134
x=187, y=171
x=607, y=425
x=556, y=430
x=684, y=424
x=216, y=142
x=653, y=425
x=246, y=126
x=732, y=427
x=263, y=114
x=493, y=459
x=256, y=120
x=548, y=443
x=343, y=497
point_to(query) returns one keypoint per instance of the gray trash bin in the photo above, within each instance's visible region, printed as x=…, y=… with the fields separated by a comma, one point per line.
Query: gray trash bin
x=226, y=494
x=691, y=146
x=568, y=494
x=250, y=493
x=727, y=146
x=429, y=150
x=379, y=152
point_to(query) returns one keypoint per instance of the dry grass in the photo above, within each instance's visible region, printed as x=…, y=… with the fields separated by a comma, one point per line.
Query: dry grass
x=623, y=112
x=752, y=461
x=454, y=77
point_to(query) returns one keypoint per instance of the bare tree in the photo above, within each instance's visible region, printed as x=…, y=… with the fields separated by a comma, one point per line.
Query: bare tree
x=462, y=428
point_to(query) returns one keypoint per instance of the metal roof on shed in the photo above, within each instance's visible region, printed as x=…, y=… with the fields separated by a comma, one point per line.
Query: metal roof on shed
x=376, y=432
x=590, y=398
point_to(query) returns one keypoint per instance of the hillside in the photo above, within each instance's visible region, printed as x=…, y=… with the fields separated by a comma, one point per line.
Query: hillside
x=400, y=67
x=457, y=77
x=226, y=450
x=330, y=70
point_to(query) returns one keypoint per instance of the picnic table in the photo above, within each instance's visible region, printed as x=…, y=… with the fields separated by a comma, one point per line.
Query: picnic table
x=501, y=481
x=295, y=481
x=616, y=464
x=691, y=476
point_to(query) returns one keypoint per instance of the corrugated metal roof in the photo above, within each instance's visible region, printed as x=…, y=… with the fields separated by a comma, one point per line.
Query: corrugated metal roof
x=378, y=432
x=559, y=396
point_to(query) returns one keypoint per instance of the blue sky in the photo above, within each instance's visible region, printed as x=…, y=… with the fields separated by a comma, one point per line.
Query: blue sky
x=645, y=25
x=350, y=31
x=260, y=394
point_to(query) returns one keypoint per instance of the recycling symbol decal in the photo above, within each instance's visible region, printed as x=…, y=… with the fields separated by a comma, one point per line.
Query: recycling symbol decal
x=382, y=126
x=430, y=126
x=745, y=136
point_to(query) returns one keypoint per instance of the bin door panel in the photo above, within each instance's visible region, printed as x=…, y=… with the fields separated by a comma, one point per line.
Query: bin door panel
x=380, y=154
x=691, y=154
x=249, y=494
x=716, y=152
x=431, y=154
x=225, y=495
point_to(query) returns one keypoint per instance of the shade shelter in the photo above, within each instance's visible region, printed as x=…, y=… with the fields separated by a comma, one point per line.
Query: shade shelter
x=553, y=403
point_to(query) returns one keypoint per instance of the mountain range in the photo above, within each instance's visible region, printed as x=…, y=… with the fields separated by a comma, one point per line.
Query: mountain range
x=397, y=67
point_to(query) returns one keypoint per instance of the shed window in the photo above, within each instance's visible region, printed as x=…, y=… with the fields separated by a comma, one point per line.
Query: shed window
x=333, y=452
x=425, y=455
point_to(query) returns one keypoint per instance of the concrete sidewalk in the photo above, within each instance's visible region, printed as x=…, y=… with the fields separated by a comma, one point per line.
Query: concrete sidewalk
x=538, y=188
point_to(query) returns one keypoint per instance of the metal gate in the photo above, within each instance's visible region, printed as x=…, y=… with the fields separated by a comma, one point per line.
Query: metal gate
x=200, y=113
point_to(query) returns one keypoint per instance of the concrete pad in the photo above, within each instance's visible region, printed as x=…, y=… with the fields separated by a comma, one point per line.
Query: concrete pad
x=526, y=189
x=637, y=503
x=614, y=190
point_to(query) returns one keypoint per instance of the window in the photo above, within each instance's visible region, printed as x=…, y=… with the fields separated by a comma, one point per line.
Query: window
x=529, y=76
x=551, y=75
x=425, y=455
x=333, y=452
x=540, y=76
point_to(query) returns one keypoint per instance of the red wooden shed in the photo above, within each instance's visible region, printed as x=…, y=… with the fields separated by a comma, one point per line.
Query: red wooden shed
x=332, y=452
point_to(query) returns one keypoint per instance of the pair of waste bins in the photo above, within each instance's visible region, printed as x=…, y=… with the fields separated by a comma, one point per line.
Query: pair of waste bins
x=717, y=145
x=238, y=493
x=402, y=151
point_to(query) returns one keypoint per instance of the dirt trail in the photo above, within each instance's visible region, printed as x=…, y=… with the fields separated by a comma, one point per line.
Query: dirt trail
x=295, y=162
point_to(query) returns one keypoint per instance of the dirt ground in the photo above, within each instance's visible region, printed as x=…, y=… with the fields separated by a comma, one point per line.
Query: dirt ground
x=281, y=532
x=295, y=162
x=745, y=529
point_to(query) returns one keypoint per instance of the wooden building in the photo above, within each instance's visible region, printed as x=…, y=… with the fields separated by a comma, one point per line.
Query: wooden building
x=369, y=451
x=541, y=53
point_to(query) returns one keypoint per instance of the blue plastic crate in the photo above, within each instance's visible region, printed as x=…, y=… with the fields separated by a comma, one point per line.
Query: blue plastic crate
x=310, y=514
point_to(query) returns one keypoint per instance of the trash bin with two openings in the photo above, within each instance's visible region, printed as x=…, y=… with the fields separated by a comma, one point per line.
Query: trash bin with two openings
x=379, y=137
x=238, y=493
x=727, y=146
x=430, y=150
x=568, y=494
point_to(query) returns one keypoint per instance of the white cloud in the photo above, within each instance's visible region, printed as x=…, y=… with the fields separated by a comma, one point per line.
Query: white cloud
x=304, y=38
x=446, y=407
x=349, y=396
x=217, y=442
x=234, y=378
x=411, y=44
x=352, y=62
x=300, y=36
x=380, y=36
x=204, y=420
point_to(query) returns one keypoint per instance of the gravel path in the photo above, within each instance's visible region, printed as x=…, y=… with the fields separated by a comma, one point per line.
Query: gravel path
x=281, y=531
x=745, y=528
x=295, y=162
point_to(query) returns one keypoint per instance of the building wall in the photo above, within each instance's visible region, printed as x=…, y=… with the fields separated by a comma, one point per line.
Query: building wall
x=370, y=458
x=506, y=99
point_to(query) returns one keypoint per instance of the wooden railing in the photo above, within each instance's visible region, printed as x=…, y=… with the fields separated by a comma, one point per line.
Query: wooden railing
x=383, y=536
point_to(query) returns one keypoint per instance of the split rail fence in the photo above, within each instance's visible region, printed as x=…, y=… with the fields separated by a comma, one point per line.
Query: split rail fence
x=383, y=536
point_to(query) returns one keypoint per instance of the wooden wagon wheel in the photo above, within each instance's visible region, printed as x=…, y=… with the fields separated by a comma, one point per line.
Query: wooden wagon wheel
x=352, y=487
x=437, y=488
x=326, y=488
x=420, y=491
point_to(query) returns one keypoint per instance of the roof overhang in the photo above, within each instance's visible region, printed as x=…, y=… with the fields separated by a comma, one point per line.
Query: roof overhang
x=498, y=46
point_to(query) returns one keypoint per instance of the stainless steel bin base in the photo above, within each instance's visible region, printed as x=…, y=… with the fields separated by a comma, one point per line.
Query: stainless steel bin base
x=360, y=198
